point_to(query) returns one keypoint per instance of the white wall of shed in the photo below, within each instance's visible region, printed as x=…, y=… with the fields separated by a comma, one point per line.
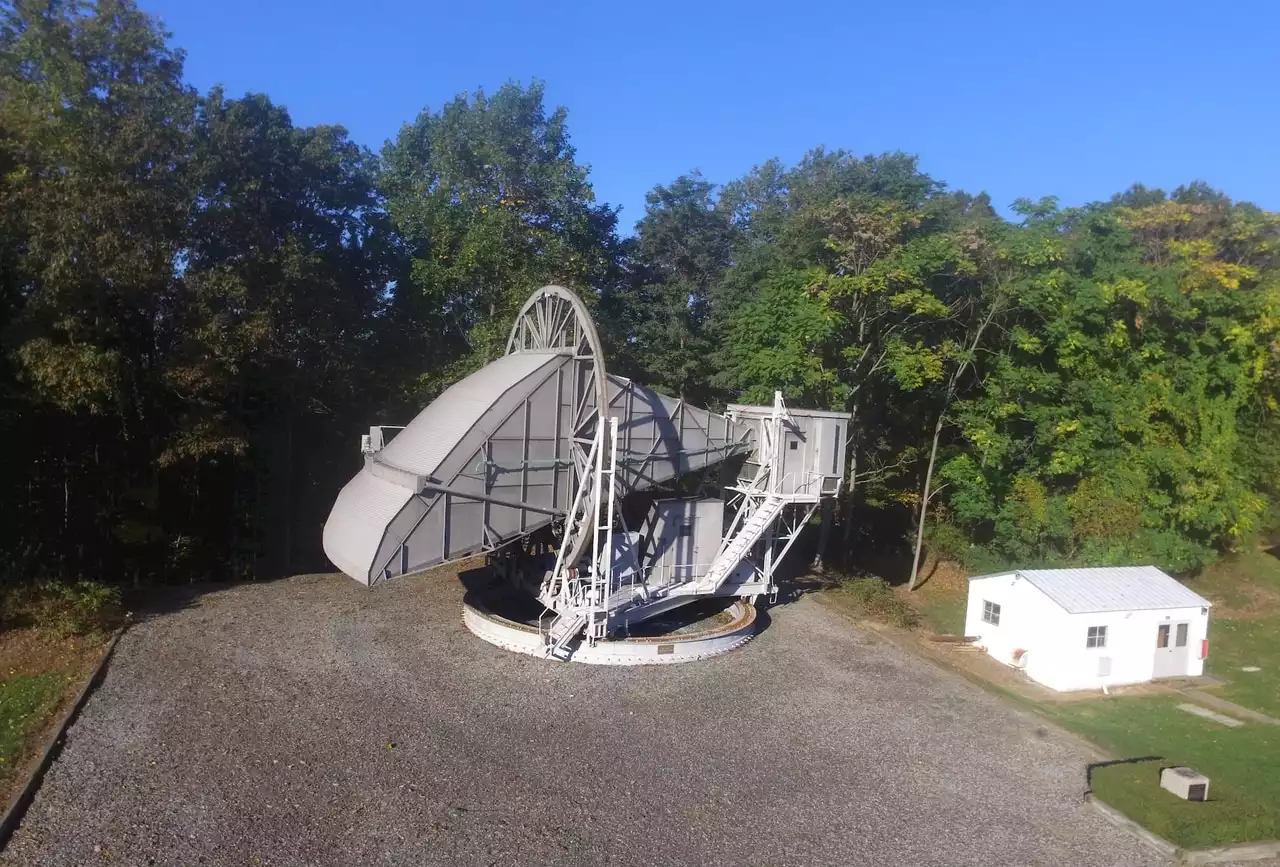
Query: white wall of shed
x=1027, y=618
x=1056, y=643
x=1131, y=646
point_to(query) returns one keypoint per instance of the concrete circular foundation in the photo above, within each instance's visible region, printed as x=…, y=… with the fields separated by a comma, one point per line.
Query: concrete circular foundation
x=699, y=641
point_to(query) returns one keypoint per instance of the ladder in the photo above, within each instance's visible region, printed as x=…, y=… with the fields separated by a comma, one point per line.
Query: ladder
x=557, y=586
x=736, y=547
x=564, y=628
x=602, y=561
x=579, y=605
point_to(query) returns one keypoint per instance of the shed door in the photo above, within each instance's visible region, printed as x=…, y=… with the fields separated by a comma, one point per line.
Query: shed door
x=1171, y=649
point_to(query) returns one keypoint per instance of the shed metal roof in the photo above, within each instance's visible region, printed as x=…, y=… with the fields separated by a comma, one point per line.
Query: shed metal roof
x=1109, y=588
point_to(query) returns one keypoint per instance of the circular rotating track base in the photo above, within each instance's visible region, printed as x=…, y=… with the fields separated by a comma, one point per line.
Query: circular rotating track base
x=684, y=646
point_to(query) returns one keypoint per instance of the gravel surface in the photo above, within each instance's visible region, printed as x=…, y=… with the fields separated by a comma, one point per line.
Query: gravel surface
x=315, y=722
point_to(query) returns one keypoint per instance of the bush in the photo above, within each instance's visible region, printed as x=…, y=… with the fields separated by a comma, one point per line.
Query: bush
x=876, y=599
x=946, y=541
x=78, y=608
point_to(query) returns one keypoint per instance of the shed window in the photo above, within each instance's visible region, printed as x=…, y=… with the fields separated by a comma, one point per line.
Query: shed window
x=990, y=613
x=685, y=529
x=1097, y=637
x=1162, y=636
x=1181, y=640
x=793, y=445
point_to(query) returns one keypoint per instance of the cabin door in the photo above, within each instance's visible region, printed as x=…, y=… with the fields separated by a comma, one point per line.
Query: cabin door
x=1171, y=649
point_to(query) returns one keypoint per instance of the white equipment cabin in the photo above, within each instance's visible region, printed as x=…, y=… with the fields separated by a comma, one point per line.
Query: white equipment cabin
x=1077, y=629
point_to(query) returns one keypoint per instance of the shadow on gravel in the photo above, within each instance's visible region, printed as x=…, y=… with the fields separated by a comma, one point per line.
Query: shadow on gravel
x=158, y=601
x=165, y=599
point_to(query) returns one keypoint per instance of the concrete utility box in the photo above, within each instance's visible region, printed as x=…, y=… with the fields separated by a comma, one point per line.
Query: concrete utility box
x=812, y=446
x=1185, y=783
x=681, y=538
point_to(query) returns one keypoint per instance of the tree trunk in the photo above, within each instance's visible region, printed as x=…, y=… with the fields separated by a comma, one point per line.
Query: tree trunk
x=824, y=532
x=953, y=384
x=289, y=516
x=924, y=502
x=847, y=530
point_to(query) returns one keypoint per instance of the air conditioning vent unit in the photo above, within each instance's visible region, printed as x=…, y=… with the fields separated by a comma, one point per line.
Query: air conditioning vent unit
x=1185, y=783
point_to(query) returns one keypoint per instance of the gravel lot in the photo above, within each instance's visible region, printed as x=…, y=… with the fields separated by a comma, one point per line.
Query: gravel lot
x=314, y=722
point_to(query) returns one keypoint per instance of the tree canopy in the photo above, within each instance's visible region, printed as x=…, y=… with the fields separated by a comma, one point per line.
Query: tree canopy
x=202, y=304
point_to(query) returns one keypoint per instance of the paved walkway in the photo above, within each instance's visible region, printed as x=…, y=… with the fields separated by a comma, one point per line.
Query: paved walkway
x=314, y=722
x=1230, y=707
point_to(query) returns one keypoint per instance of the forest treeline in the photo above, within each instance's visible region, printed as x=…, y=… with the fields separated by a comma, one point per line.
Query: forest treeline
x=202, y=306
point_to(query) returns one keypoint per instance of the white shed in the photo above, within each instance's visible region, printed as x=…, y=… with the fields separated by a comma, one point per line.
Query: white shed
x=1086, y=628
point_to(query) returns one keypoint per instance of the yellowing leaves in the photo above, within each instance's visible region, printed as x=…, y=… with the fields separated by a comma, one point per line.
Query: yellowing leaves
x=76, y=377
x=1118, y=335
x=1098, y=510
x=1205, y=271
x=913, y=364
x=1025, y=340
x=1165, y=215
x=919, y=302
x=1126, y=288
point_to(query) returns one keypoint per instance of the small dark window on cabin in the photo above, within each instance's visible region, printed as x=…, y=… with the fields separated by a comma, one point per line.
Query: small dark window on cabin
x=1097, y=637
x=1181, y=640
x=990, y=613
x=793, y=445
x=686, y=529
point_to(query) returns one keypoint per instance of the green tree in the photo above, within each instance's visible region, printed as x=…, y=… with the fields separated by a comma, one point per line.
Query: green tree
x=682, y=248
x=1109, y=430
x=995, y=262
x=275, y=327
x=860, y=330
x=96, y=123
x=777, y=212
x=490, y=201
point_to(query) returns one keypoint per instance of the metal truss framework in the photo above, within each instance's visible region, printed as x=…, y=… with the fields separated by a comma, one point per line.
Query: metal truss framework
x=766, y=523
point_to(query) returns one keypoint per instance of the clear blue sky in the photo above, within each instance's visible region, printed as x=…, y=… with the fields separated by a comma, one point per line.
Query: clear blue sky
x=1076, y=99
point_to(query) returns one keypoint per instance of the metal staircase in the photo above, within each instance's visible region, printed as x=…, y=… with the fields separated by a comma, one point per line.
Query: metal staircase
x=564, y=628
x=589, y=601
x=738, y=545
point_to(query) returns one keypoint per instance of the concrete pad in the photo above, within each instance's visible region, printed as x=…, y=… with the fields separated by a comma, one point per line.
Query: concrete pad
x=1210, y=715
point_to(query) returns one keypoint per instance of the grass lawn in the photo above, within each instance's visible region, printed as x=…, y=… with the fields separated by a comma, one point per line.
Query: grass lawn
x=26, y=703
x=1235, y=644
x=941, y=599
x=941, y=613
x=1243, y=764
x=1244, y=784
x=1244, y=626
x=48, y=646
